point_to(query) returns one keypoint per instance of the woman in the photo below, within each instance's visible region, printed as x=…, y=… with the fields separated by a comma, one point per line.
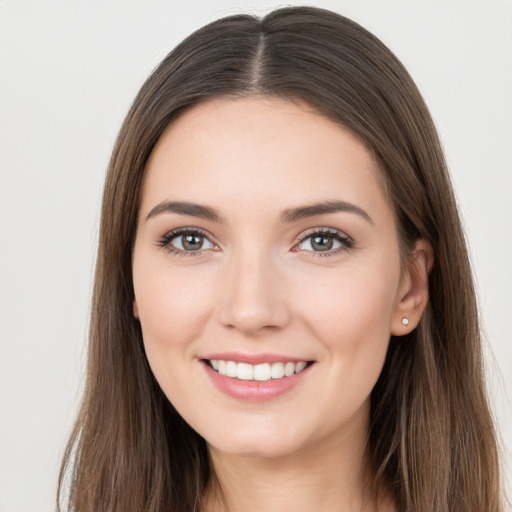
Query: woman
x=283, y=313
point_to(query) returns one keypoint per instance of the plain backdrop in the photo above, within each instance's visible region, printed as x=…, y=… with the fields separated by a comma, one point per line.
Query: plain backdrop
x=68, y=73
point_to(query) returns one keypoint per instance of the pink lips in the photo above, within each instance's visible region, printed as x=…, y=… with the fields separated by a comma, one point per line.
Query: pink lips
x=252, y=390
x=253, y=358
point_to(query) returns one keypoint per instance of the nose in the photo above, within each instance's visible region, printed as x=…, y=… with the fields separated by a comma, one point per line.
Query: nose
x=253, y=295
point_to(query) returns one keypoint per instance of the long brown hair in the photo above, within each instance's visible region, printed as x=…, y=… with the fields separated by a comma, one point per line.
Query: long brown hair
x=431, y=438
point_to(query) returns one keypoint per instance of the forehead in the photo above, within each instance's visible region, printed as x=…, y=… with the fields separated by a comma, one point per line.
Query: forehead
x=252, y=150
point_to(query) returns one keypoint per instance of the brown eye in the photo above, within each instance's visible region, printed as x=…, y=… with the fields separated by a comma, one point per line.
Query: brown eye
x=325, y=242
x=191, y=242
x=322, y=243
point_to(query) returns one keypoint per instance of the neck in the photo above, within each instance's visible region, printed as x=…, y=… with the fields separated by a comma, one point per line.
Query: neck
x=330, y=475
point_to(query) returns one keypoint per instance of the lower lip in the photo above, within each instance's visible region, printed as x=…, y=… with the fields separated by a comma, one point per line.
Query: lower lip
x=253, y=390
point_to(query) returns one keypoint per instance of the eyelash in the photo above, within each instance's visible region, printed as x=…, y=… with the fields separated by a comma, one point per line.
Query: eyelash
x=345, y=241
x=165, y=241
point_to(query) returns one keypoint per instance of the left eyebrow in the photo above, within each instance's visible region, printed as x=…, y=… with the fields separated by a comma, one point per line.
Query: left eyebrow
x=304, y=212
x=186, y=208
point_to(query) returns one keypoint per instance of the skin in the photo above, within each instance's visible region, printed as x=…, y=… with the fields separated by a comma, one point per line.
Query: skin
x=259, y=286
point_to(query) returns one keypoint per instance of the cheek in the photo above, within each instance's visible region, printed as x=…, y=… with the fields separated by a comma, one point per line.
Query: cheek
x=353, y=300
x=354, y=329
x=173, y=306
x=351, y=315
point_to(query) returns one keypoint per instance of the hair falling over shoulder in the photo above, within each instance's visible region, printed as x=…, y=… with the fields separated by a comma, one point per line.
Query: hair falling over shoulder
x=432, y=441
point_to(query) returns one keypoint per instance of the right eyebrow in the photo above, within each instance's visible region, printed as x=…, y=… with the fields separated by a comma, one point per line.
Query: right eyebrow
x=185, y=208
x=322, y=208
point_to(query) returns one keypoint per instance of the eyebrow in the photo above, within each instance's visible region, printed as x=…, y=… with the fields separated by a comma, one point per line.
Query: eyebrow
x=288, y=215
x=325, y=207
x=186, y=208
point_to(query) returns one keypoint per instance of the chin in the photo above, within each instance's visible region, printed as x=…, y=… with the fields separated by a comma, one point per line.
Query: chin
x=258, y=451
x=249, y=443
x=255, y=445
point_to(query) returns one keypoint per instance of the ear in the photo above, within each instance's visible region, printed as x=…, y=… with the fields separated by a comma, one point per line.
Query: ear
x=136, y=309
x=412, y=297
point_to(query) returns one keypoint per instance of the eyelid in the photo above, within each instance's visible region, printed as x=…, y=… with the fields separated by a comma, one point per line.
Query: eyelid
x=346, y=241
x=165, y=240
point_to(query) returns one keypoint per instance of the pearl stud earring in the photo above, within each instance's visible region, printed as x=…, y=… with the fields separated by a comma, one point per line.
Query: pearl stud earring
x=405, y=320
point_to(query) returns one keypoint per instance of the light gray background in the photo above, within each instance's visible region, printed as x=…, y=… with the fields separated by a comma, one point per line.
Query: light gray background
x=68, y=73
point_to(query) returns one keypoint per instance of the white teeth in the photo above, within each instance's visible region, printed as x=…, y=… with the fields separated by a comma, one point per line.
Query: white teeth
x=231, y=370
x=262, y=372
x=289, y=369
x=277, y=371
x=259, y=372
x=244, y=371
x=300, y=366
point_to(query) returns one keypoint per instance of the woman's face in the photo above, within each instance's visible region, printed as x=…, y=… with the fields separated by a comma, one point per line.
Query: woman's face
x=266, y=251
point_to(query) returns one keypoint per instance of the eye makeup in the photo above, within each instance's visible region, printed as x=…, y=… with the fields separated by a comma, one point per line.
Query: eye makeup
x=324, y=242
x=192, y=241
x=187, y=241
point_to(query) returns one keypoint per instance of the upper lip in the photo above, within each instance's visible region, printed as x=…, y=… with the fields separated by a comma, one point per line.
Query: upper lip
x=254, y=358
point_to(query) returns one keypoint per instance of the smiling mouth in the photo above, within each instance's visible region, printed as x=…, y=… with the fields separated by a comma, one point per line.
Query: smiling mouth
x=257, y=372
